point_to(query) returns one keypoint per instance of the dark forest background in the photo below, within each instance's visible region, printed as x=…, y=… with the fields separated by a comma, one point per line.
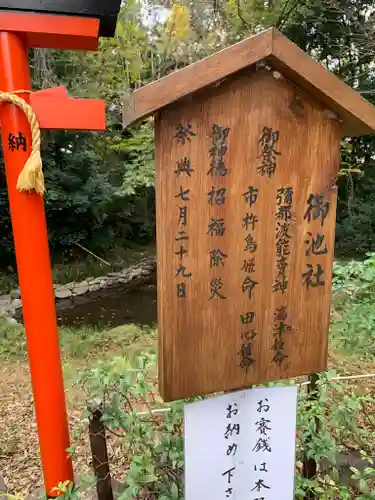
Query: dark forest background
x=100, y=186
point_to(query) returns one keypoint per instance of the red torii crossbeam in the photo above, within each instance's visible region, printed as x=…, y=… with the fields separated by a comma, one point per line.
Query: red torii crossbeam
x=54, y=110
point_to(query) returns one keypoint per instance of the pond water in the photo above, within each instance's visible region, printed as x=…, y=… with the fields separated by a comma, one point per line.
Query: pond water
x=124, y=304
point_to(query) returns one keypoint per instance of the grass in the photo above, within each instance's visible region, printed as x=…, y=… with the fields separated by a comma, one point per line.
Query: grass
x=82, y=349
x=351, y=352
x=80, y=344
x=79, y=265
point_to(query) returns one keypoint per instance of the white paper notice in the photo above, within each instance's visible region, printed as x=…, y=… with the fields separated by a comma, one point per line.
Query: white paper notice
x=241, y=446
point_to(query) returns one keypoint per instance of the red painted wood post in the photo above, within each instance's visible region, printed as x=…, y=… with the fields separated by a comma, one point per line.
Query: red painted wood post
x=34, y=270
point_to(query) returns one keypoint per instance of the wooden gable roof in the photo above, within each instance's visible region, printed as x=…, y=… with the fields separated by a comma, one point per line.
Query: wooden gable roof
x=357, y=114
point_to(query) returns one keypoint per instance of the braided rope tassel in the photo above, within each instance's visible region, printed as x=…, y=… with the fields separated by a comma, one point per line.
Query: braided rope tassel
x=31, y=178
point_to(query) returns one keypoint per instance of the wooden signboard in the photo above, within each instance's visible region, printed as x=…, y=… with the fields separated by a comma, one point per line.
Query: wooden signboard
x=246, y=205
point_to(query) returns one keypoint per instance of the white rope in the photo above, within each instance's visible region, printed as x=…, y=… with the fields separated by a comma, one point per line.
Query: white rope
x=161, y=411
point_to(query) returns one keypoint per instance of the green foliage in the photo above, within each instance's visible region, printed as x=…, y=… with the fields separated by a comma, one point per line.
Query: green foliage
x=66, y=490
x=330, y=430
x=138, y=154
x=153, y=442
x=327, y=427
x=353, y=327
x=100, y=187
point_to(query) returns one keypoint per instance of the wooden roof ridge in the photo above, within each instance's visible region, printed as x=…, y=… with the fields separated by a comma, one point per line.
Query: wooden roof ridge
x=356, y=113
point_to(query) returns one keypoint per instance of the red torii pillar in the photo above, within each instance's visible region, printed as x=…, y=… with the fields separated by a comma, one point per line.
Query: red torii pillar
x=55, y=110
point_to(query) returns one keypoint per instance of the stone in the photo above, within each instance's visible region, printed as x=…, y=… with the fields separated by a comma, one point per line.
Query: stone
x=16, y=303
x=145, y=272
x=5, y=300
x=94, y=288
x=103, y=283
x=15, y=294
x=3, y=486
x=112, y=281
x=63, y=293
x=96, y=281
x=81, y=289
x=149, y=267
x=137, y=273
x=11, y=321
x=123, y=281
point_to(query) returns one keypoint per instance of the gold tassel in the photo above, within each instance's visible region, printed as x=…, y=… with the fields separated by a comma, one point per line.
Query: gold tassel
x=31, y=178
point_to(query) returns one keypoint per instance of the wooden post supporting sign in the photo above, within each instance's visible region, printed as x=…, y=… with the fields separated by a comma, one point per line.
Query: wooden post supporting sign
x=33, y=27
x=247, y=155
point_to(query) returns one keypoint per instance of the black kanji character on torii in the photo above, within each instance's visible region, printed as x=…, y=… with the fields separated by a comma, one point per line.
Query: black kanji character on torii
x=317, y=208
x=17, y=142
x=229, y=492
x=184, y=133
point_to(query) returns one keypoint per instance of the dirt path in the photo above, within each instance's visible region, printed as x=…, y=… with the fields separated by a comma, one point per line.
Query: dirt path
x=19, y=448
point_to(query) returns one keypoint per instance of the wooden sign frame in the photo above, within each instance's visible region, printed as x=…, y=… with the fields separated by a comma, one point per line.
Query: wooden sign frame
x=247, y=155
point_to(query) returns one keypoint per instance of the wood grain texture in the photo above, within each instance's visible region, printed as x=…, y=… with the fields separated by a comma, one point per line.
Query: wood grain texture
x=357, y=114
x=106, y=11
x=199, y=339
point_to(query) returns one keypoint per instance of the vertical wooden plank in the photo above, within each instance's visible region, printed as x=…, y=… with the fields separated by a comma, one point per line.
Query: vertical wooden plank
x=224, y=334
